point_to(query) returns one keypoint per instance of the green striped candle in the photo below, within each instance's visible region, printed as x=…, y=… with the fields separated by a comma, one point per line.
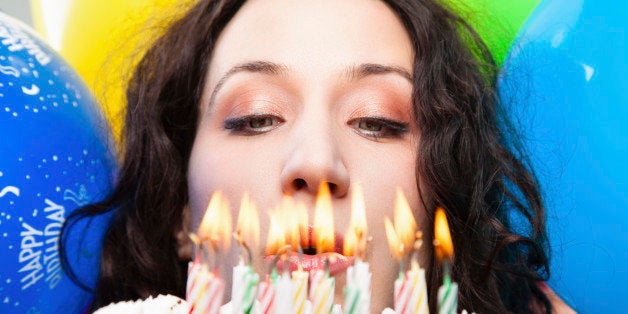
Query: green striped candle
x=447, y=294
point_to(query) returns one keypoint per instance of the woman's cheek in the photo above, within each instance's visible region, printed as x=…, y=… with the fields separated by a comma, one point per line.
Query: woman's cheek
x=234, y=170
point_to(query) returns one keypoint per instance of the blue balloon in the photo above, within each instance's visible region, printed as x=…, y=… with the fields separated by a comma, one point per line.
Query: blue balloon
x=566, y=78
x=55, y=156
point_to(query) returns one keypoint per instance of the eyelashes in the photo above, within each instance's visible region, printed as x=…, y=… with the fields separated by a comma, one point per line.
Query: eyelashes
x=252, y=124
x=379, y=127
x=369, y=127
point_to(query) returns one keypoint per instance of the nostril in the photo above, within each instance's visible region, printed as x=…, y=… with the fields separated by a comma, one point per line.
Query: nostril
x=299, y=184
x=332, y=187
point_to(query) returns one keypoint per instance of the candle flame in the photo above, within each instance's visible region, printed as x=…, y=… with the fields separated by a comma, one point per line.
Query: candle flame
x=247, y=227
x=323, y=220
x=443, y=245
x=290, y=221
x=216, y=223
x=300, y=211
x=355, y=237
x=396, y=248
x=276, y=236
x=405, y=225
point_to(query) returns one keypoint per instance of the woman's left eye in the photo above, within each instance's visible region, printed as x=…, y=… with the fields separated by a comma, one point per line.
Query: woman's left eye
x=378, y=127
x=370, y=125
x=252, y=124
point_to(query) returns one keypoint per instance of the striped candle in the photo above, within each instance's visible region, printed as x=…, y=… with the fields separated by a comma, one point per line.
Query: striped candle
x=243, y=289
x=322, y=288
x=266, y=296
x=204, y=290
x=283, y=293
x=358, y=289
x=448, y=296
x=194, y=269
x=411, y=292
x=299, y=290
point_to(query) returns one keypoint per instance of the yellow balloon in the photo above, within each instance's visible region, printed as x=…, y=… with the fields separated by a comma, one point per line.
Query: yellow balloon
x=103, y=40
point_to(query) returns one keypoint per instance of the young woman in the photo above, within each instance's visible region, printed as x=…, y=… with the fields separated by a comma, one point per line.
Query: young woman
x=271, y=97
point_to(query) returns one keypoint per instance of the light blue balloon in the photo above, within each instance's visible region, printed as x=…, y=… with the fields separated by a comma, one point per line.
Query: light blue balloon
x=566, y=79
x=54, y=157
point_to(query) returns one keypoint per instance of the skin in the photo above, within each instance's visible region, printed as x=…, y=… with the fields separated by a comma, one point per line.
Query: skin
x=320, y=78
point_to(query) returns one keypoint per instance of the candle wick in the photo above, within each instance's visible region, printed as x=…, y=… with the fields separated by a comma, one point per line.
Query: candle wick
x=418, y=242
x=247, y=250
x=300, y=252
x=414, y=262
x=284, y=257
x=214, y=249
x=281, y=252
x=446, y=271
x=326, y=262
x=197, y=247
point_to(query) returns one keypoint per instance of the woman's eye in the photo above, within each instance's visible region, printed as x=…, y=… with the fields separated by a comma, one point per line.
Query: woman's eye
x=252, y=124
x=261, y=122
x=370, y=125
x=377, y=127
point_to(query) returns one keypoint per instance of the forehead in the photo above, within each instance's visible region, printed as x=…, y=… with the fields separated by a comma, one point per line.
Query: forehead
x=313, y=37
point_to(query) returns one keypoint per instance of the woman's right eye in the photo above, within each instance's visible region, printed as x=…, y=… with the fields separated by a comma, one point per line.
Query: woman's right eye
x=252, y=124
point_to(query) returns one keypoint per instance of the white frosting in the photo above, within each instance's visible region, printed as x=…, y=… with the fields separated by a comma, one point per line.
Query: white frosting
x=162, y=304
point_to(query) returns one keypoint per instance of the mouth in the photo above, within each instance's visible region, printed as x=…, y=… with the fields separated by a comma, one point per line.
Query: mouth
x=310, y=261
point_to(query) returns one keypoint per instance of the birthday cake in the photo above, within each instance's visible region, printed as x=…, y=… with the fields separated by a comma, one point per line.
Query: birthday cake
x=166, y=304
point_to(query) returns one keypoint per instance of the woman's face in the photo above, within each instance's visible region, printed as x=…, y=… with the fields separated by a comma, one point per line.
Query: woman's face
x=300, y=92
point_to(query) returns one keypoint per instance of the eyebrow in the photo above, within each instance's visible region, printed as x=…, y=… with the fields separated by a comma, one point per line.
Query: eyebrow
x=271, y=68
x=367, y=69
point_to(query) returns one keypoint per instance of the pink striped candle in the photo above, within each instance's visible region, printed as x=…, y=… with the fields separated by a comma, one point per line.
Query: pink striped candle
x=265, y=297
x=204, y=290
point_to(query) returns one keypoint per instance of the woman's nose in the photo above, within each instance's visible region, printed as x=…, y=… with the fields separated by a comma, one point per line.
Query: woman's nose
x=314, y=157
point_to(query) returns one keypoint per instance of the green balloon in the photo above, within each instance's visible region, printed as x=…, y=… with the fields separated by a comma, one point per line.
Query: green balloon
x=497, y=21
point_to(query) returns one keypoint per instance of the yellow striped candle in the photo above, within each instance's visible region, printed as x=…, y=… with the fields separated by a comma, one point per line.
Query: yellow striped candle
x=322, y=290
x=299, y=290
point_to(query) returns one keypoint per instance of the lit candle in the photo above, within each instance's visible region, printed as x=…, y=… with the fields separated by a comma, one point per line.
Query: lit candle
x=244, y=284
x=322, y=289
x=275, y=293
x=205, y=288
x=322, y=286
x=410, y=287
x=294, y=217
x=448, y=292
x=358, y=288
x=294, y=222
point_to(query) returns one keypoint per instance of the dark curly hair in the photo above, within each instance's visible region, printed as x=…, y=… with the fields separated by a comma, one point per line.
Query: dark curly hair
x=469, y=162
